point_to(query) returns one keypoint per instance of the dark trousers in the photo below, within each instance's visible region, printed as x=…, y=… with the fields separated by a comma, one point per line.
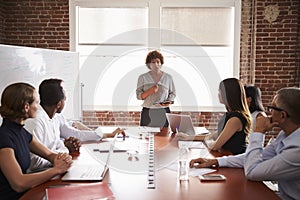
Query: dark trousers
x=154, y=117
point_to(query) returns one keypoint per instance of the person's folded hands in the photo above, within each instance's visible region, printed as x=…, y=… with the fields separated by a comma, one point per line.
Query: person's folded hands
x=62, y=162
x=73, y=144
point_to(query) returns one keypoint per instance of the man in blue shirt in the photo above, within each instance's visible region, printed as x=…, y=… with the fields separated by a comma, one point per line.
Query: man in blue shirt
x=278, y=161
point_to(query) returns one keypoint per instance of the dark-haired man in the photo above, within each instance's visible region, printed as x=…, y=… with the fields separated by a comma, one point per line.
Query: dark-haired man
x=50, y=126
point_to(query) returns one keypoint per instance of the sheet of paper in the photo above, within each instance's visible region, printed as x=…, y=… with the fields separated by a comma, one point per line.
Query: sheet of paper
x=146, y=129
x=191, y=144
x=201, y=130
x=131, y=131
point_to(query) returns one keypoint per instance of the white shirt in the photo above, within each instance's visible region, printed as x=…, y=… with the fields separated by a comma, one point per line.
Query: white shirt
x=278, y=161
x=254, y=116
x=50, y=131
x=166, y=89
x=66, y=130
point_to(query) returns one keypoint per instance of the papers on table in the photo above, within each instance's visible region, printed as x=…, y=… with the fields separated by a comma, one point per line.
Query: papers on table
x=273, y=185
x=191, y=144
x=131, y=131
x=146, y=129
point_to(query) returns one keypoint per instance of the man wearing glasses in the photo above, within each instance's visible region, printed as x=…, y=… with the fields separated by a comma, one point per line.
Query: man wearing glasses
x=278, y=161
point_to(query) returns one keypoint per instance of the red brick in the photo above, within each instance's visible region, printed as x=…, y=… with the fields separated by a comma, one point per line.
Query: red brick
x=45, y=24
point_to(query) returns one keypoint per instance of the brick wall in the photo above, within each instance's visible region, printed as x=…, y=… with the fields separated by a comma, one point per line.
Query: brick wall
x=246, y=60
x=298, y=49
x=42, y=24
x=269, y=53
x=270, y=57
x=2, y=16
x=94, y=119
x=276, y=45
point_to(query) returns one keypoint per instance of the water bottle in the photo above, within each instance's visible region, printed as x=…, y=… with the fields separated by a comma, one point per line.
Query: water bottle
x=183, y=164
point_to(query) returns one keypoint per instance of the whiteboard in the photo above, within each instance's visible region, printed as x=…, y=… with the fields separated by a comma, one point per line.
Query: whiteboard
x=33, y=65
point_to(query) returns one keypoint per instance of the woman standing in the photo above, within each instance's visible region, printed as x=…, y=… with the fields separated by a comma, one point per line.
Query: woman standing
x=20, y=101
x=157, y=90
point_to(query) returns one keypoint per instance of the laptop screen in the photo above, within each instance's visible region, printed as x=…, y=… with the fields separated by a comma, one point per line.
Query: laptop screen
x=183, y=123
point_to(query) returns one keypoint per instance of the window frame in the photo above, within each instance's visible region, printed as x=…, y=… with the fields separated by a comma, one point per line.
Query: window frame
x=154, y=12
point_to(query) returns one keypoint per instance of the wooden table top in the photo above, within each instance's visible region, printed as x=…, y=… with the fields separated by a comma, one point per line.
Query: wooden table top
x=130, y=185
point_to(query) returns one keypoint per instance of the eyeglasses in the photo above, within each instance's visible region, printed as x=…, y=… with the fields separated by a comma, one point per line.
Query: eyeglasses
x=270, y=108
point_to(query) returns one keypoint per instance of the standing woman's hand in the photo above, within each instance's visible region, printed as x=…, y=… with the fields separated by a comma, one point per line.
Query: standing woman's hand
x=154, y=88
x=150, y=91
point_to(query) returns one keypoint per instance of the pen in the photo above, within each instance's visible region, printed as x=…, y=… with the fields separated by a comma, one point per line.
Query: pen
x=176, y=129
x=56, y=186
x=121, y=136
x=107, y=151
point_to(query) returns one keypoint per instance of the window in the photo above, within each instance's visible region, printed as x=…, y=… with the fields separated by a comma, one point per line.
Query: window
x=199, y=40
x=103, y=25
x=203, y=26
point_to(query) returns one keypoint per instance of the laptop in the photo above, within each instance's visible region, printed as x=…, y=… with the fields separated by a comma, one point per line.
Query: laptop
x=89, y=172
x=183, y=123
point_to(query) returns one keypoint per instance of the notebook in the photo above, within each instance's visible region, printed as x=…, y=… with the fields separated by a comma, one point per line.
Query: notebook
x=183, y=123
x=89, y=172
x=79, y=191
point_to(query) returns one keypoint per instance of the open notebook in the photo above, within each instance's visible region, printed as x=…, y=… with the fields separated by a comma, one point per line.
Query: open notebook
x=183, y=123
x=89, y=172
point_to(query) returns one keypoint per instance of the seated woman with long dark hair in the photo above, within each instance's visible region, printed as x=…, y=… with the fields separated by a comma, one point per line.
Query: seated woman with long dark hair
x=235, y=125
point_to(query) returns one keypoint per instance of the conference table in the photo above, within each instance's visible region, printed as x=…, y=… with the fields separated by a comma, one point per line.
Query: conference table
x=132, y=183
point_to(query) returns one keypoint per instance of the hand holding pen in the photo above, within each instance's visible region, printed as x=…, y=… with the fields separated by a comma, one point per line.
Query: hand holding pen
x=117, y=131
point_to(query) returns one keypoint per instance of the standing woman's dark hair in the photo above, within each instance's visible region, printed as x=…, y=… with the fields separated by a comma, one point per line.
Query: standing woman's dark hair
x=154, y=55
x=254, y=93
x=13, y=108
